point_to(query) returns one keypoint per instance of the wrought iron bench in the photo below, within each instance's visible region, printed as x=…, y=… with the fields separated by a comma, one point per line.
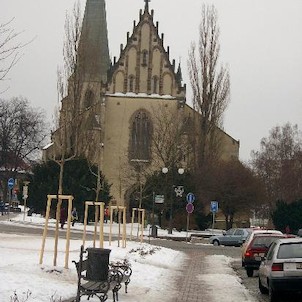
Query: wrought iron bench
x=99, y=287
x=126, y=271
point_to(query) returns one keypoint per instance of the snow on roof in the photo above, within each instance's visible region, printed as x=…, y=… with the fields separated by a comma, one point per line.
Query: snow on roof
x=141, y=95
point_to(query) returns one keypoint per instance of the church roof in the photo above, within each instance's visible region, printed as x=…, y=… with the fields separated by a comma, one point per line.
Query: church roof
x=145, y=62
x=94, y=57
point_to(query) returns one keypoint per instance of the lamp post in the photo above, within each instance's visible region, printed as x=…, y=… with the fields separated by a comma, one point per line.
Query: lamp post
x=178, y=190
x=25, y=196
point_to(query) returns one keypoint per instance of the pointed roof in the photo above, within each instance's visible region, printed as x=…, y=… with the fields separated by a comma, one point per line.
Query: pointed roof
x=147, y=5
x=94, y=59
x=151, y=70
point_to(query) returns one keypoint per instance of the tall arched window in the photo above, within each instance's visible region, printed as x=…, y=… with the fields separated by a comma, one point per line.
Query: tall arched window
x=141, y=133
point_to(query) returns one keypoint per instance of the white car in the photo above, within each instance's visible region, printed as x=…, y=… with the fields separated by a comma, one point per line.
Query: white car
x=251, y=236
x=281, y=271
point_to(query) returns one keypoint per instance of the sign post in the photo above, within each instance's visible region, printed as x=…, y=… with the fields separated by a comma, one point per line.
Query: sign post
x=214, y=209
x=190, y=208
x=10, y=184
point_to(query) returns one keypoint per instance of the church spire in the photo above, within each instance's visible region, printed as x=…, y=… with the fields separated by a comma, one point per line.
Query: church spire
x=147, y=5
x=94, y=59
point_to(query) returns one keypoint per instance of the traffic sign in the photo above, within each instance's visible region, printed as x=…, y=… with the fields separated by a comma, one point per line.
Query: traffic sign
x=190, y=208
x=159, y=198
x=214, y=206
x=10, y=183
x=190, y=197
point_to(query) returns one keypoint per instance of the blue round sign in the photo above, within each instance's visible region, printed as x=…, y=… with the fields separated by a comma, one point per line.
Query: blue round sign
x=190, y=197
x=11, y=183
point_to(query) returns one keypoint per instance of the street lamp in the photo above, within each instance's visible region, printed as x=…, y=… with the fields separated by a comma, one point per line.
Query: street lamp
x=178, y=190
x=25, y=196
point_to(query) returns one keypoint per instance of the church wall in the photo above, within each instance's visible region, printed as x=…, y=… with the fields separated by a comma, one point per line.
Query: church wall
x=117, y=167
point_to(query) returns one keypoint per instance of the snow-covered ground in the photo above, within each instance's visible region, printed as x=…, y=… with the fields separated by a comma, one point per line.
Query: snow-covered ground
x=23, y=279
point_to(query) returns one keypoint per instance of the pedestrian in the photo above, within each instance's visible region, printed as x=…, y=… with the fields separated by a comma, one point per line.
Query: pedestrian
x=74, y=216
x=106, y=214
x=62, y=217
x=2, y=206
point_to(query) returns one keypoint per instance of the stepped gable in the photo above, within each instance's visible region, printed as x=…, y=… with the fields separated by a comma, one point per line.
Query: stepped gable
x=144, y=66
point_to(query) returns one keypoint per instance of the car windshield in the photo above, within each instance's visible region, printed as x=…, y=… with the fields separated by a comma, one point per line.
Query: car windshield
x=263, y=241
x=290, y=250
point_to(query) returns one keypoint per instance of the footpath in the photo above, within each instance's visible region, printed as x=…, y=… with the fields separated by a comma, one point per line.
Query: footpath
x=189, y=287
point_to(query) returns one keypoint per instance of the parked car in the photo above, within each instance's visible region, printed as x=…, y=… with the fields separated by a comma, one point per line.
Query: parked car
x=251, y=236
x=234, y=237
x=300, y=232
x=256, y=250
x=15, y=209
x=281, y=271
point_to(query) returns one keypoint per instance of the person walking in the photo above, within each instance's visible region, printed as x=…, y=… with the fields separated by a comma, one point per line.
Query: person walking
x=2, y=206
x=62, y=217
x=74, y=216
x=106, y=214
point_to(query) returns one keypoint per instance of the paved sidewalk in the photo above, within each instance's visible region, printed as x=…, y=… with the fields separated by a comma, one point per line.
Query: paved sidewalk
x=189, y=286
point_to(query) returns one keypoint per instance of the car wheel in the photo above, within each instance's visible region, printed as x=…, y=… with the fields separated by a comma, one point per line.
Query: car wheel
x=216, y=242
x=249, y=272
x=263, y=290
x=273, y=295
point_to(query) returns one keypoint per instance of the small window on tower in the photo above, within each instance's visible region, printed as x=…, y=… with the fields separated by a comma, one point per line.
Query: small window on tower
x=131, y=83
x=155, y=84
x=89, y=98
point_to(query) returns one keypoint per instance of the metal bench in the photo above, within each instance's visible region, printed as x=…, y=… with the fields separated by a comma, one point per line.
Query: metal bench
x=91, y=286
x=126, y=271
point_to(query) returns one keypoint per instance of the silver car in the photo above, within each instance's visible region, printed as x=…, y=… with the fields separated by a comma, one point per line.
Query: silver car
x=281, y=271
x=233, y=237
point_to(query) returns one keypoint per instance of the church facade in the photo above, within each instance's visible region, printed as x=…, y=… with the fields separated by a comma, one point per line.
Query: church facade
x=130, y=112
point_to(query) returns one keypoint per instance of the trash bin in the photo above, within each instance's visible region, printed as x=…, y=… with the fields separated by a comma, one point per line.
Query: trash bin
x=154, y=231
x=97, y=264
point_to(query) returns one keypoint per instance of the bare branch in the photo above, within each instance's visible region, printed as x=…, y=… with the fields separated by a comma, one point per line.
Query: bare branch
x=210, y=86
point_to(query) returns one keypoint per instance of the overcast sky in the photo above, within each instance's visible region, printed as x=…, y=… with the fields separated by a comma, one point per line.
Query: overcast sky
x=261, y=42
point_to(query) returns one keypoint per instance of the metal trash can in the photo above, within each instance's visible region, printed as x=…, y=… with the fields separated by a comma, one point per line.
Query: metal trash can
x=97, y=264
x=154, y=231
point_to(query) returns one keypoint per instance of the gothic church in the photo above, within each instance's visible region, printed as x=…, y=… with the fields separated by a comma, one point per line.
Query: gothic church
x=120, y=118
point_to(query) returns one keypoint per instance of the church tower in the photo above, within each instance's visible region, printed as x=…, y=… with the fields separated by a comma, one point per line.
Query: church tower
x=93, y=49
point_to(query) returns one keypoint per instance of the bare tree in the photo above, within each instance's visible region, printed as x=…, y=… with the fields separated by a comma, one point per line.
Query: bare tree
x=237, y=189
x=170, y=145
x=69, y=93
x=9, y=48
x=22, y=133
x=279, y=163
x=210, y=84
